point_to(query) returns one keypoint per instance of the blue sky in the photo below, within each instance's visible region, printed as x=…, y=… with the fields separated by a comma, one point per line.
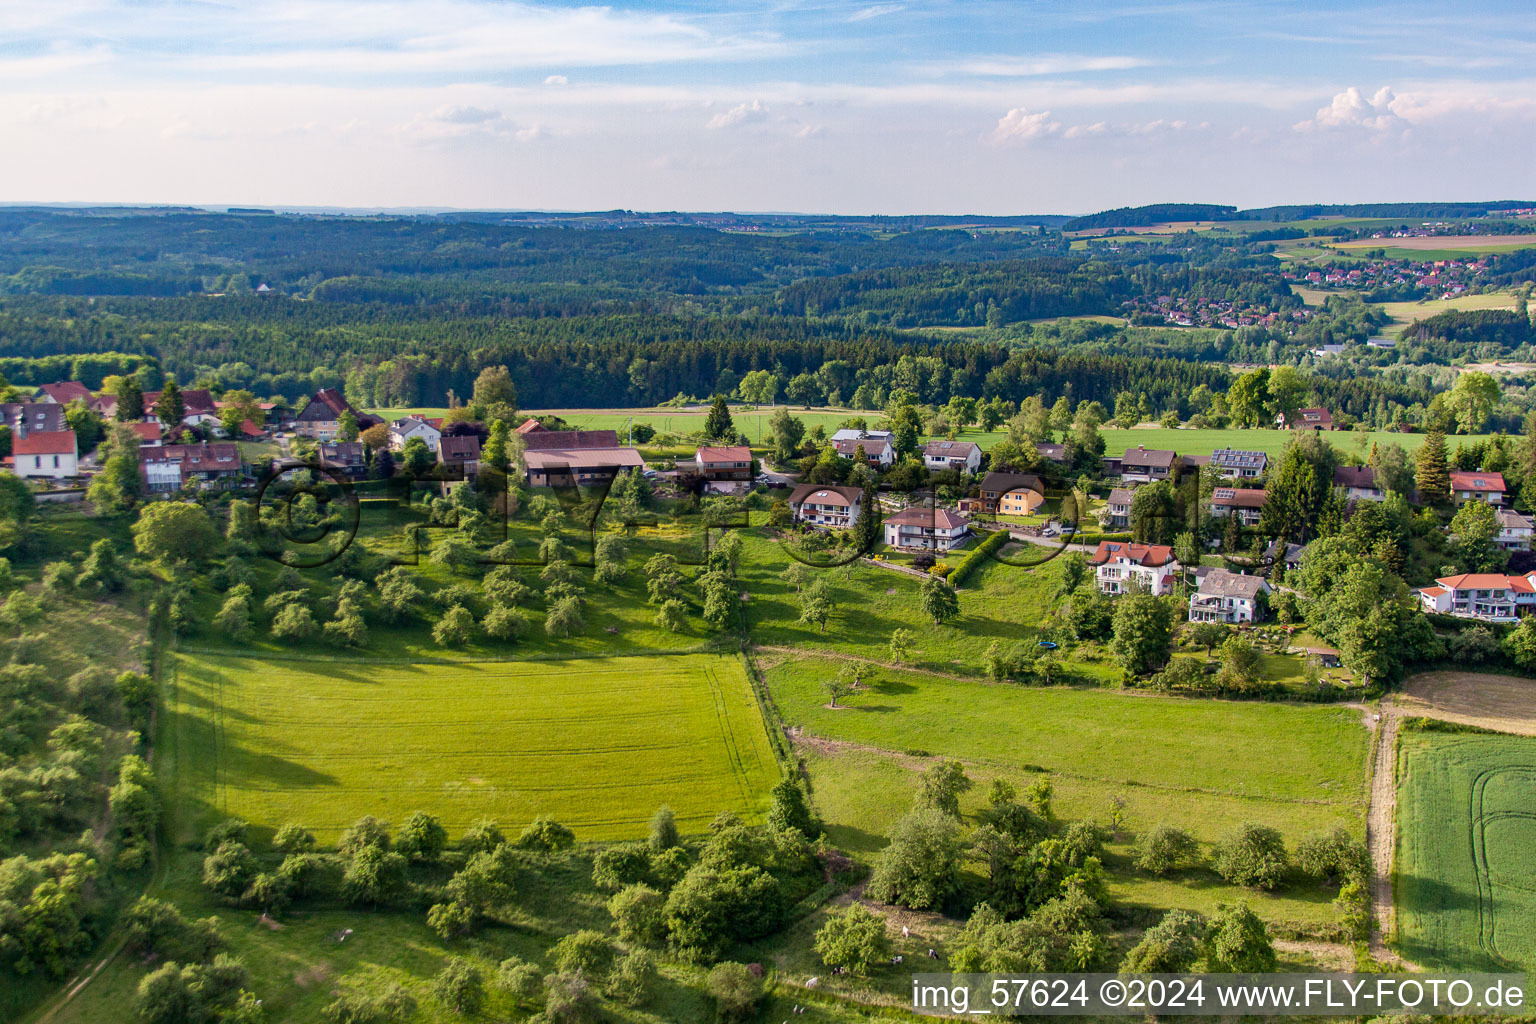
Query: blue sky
x=948, y=106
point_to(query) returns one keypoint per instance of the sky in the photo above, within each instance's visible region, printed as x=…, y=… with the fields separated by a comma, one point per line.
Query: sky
x=824, y=106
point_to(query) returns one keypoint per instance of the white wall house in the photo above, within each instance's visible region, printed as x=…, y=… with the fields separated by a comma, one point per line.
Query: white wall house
x=1119, y=564
x=928, y=529
x=964, y=456
x=831, y=506
x=1489, y=596
x=1515, y=531
x=407, y=427
x=45, y=454
x=1229, y=597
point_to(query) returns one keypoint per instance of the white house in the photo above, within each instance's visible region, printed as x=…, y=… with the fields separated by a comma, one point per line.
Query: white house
x=1358, y=482
x=47, y=454
x=964, y=456
x=1482, y=486
x=930, y=529
x=1229, y=597
x=1514, y=531
x=1146, y=465
x=878, y=452
x=826, y=505
x=855, y=434
x=1231, y=462
x=1118, y=508
x=1246, y=504
x=407, y=427
x=1489, y=596
x=1118, y=563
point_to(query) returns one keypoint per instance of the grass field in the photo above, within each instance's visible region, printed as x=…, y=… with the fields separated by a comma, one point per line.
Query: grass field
x=1430, y=246
x=1202, y=765
x=598, y=744
x=669, y=421
x=1405, y=313
x=1466, y=877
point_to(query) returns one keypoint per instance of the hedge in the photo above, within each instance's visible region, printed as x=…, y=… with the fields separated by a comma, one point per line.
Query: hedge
x=971, y=562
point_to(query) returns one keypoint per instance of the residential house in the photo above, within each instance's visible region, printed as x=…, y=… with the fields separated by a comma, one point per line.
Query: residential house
x=1515, y=531
x=1229, y=597
x=198, y=409
x=45, y=454
x=1489, y=596
x=170, y=467
x=826, y=505
x=1480, y=486
x=1358, y=482
x=561, y=458
x=1246, y=504
x=855, y=434
x=460, y=455
x=320, y=419
x=927, y=529
x=1118, y=563
x=63, y=392
x=150, y=433
x=964, y=456
x=1050, y=451
x=1146, y=465
x=730, y=463
x=1289, y=556
x=1011, y=493
x=1232, y=462
x=878, y=452
x=1118, y=508
x=1306, y=419
x=25, y=417
x=407, y=427
x=349, y=458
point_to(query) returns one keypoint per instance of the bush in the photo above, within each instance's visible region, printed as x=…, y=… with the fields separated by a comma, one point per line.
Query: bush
x=1333, y=856
x=585, y=952
x=737, y=992
x=618, y=866
x=638, y=913
x=854, y=940
x=544, y=834
x=1163, y=849
x=1252, y=855
x=633, y=979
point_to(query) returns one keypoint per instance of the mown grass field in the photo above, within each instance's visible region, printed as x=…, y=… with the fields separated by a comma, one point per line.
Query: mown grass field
x=1466, y=875
x=1405, y=313
x=753, y=423
x=598, y=744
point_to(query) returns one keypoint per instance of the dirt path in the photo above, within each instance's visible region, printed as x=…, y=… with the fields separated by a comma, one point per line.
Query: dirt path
x=1381, y=832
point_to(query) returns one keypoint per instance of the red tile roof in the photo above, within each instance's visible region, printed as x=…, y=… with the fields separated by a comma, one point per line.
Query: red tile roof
x=45, y=442
x=66, y=391
x=822, y=494
x=1141, y=554
x=1485, y=483
x=146, y=431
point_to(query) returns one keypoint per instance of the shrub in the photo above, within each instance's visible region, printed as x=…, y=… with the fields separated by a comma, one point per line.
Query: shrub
x=737, y=991
x=1334, y=856
x=618, y=866
x=545, y=834
x=1252, y=855
x=638, y=914
x=854, y=940
x=1163, y=849
x=584, y=952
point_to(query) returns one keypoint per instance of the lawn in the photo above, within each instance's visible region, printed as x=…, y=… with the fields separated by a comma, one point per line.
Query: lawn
x=598, y=744
x=1466, y=878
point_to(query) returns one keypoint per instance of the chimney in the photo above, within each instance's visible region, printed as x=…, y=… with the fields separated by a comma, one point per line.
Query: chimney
x=1141, y=447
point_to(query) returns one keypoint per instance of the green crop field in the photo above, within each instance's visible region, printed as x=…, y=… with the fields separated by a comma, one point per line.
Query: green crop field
x=1466, y=877
x=598, y=744
x=1405, y=313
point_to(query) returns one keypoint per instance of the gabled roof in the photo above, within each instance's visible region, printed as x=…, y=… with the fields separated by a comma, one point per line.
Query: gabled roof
x=1363, y=477
x=193, y=401
x=1152, y=555
x=45, y=442
x=530, y=426
x=1236, y=497
x=146, y=431
x=873, y=446
x=1313, y=417
x=1003, y=482
x=1222, y=583
x=346, y=453
x=1511, y=520
x=825, y=494
x=938, y=518
x=1481, y=581
x=66, y=391
x=1482, y=483
x=459, y=448
x=949, y=449
x=1052, y=451
x=28, y=416
x=583, y=458
x=1234, y=458
x=544, y=440
x=406, y=424
x=1150, y=457
x=1122, y=495
x=734, y=453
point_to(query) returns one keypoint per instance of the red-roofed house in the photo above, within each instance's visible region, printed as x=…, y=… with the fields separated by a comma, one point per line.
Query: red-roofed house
x=1490, y=596
x=1306, y=419
x=171, y=467
x=47, y=454
x=149, y=432
x=1487, y=487
x=320, y=418
x=1247, y=504
x=931, y=529
x=63, y=392
x=1120, y=562
x=732, y=463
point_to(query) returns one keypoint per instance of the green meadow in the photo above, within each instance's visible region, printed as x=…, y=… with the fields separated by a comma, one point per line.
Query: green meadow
x=597, y=744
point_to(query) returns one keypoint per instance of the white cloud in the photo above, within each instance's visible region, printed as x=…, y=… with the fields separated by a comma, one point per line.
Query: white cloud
x=742, y=113
x=465, y=121
x=557, y=80
x=876, y=11
x=1049, y=64
x=1352, y=109
x=1019, y=125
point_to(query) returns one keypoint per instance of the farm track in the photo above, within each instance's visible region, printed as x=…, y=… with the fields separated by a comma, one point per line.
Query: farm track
x=1381, y=835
